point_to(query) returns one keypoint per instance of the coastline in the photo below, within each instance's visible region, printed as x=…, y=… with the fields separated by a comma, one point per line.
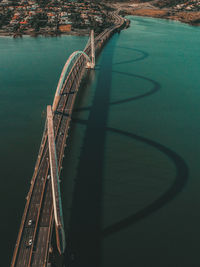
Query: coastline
x=77, y=32
x=191, y=18
x=147, y=9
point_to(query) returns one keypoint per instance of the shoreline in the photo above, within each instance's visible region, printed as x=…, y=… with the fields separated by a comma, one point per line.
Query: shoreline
x=183, y=17
x=147, y=9
x=44, y=34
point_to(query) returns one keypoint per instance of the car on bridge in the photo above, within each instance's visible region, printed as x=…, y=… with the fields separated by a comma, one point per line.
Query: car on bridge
x=30, y=242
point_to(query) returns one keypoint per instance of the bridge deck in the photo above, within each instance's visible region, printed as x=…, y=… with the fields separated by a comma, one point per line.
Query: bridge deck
x=32, y=246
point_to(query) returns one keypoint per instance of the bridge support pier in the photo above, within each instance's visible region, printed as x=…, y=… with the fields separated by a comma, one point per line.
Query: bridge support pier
x=91, y=65
x=57, y=204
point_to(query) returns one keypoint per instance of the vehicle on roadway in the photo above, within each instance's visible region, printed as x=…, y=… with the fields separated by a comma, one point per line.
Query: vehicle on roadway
x=30, y=242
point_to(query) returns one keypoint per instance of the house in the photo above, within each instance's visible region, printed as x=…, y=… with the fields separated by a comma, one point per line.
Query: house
x=65, y=27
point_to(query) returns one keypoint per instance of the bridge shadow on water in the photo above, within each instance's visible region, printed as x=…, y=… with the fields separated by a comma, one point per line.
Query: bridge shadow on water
x=176, y=187
x=144, y=55
x=181, y=178
x=85, y=225
x=85, y=230
x=156, y=87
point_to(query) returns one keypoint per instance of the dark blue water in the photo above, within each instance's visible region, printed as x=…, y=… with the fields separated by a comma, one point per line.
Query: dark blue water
x=131, y=182
x=29, y=72
x=131, y=174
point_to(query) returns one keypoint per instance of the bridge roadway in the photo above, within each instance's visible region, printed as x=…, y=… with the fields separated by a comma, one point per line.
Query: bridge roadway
x=34, y=238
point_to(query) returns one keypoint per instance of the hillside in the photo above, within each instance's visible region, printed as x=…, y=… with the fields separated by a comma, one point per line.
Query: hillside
x=182, y=10
x=191, y=4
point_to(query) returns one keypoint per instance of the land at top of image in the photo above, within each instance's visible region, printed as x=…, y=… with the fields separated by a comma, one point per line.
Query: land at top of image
x=187, y=11
x=51, y=18
x=35, y=17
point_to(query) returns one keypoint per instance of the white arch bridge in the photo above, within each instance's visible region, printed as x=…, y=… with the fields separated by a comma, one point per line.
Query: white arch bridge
x=64, y=80
x=70, y=64
x=43, y=207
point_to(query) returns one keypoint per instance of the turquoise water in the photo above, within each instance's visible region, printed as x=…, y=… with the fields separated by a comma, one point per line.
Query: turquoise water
x=132, y=176
x=130, y=181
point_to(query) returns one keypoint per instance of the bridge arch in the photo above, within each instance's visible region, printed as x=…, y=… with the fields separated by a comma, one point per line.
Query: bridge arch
x=65, y=72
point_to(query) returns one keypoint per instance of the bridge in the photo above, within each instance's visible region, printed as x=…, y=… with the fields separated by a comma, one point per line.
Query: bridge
x=43, y=209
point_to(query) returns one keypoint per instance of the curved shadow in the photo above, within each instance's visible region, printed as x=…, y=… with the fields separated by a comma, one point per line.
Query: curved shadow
x=182, y=173
x=142, y=57
x=86, y=213
x=156, y=87
x=85, y=226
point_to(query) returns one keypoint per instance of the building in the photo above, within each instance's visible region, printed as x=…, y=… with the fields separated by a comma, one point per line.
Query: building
x=65, y=27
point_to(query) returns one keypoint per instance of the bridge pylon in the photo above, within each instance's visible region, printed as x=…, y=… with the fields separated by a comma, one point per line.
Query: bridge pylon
x=91, y=65
x=57, y=204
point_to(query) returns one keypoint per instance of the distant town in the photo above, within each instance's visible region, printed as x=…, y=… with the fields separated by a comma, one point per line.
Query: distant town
x=52, y=18
x=55, y=17
x=187, y=11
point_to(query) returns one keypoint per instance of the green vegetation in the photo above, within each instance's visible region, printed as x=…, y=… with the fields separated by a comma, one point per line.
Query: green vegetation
x=5, y=17
x=39, y=20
